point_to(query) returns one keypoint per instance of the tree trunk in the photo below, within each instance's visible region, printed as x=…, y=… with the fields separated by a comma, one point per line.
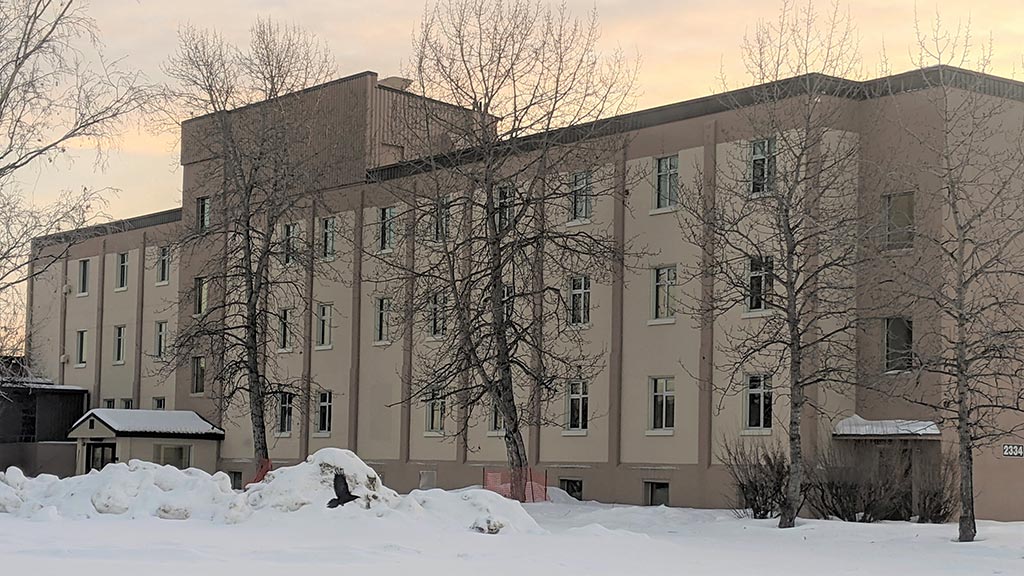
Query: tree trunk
x=515, y=450
x=968, y=526
x=791, y=504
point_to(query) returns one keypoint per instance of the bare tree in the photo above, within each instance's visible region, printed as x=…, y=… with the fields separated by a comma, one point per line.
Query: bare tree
x=514, y=202
x=778, y=225
x=55, y=90
x=256, y=161
x=963, y=278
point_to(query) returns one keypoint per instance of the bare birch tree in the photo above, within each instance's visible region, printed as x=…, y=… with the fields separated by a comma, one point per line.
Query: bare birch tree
x=255, y=158
x=778, y=225
x=961, y=273
x=514, y=203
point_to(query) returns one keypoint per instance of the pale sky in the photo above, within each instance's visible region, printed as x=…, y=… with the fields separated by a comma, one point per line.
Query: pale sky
x=683, y=46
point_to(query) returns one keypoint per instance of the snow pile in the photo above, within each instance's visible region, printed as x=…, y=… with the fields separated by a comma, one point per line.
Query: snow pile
x=142, y=489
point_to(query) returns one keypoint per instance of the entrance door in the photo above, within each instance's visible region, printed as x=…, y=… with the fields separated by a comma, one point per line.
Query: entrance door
x=99, y=455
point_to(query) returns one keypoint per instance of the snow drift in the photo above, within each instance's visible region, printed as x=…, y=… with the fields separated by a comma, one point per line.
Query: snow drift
x=140, y=489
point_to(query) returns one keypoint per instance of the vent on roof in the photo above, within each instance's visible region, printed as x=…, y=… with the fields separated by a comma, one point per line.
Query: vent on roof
x=396, y=82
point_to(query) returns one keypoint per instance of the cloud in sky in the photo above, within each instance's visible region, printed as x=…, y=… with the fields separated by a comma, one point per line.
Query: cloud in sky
x=684, y=45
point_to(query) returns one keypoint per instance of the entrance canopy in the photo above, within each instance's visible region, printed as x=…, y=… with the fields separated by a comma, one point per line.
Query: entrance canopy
x=145, y=424
x=857, y=427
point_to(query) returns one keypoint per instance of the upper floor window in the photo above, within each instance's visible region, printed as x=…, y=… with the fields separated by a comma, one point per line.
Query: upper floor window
x=83, y=277
x=327, y=236
x=198, y=374
x=284, y=412
x=284, y=333
x=899, y=344
x=122, y=271
x=160, y=338
x=200, y=293
x=119, y=336
x=323, y=324
x=666, y=182
x=760, y=284
x=508, y=298
x=325, y=412
x=435, y=410
x=203, y=213
x=759, y=401
x=438, y=309
x=663, y=404
x=81, y=342
x=762, y=167
x=579, y=300
x=386, y=229
x=580, y=204
x=441, y=218
x=579, y=399
x=664, y=279
x=496, y=423
x=382, y=319
x=288, y=242
x=899, y=220
x=506, y=209
x=163, y=265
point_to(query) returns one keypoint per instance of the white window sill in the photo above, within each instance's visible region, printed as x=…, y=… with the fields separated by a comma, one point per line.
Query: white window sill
x=496, y=433
x=118, y=363
x=197, y=394
x=583, y=326
x=385, y=251
x=756, y=432
x=81, y=295
x=121, y=289
x=895, y=372
x=324, y=347
x=284, y=350
x=574, y=432
x=660, y=432
x=433, y=434
x=578, y=222
x=758, y=313
x=435, y=339
x=282, y=434
x=328, y=258
x=162, y=283
x=382, y=343
x=79, y=366
x=326, y=434
x=898, y=250
x=664, y=210
x=661, y=321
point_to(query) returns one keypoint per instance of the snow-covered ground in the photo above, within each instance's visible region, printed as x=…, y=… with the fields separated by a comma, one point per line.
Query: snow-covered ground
x=430, y=533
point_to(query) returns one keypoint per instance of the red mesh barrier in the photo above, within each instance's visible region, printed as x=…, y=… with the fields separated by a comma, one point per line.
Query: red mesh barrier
x=534, y=483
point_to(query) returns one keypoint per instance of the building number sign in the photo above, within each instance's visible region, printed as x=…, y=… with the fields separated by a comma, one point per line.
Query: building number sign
x=1013, y=450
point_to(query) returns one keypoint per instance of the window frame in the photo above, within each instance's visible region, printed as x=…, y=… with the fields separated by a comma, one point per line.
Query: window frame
x=437, y=322
x=324, y=329
x=890, y=231
x=159, y=403
x=288, y=235
x=441, y=218
x=650, y=487
x=203, y=214
x=121, y=278
x=126, y=403
x=198, y=385
x=328, y=235
x=200, y=295
x=435, y=411
x=763, y=391
x=581, y=205
x=765, y=276
x=385, y=229
x=495, y=421
x=767, y=156
x=163, y=265
x=656, y=286
x=578, y=404
x=505, y=208
x=119, y=349
x=83, y=277
x=284, y=330
x=109, y=403
x=81, y=348
x=908, y=355
x=579, y=300
x=324, y=413
x=285, y=413
x=159, y=338
x=382, y=320
x=667, y=396
x=666, y=175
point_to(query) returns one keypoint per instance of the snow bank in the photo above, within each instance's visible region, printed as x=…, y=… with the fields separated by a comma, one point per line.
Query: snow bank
x=142, y=489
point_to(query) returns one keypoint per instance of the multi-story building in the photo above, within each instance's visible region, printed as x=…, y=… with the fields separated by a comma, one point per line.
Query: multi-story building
x=654, y=423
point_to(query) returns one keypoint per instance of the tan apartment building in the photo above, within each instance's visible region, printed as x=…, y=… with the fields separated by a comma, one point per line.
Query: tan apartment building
x=648, y=428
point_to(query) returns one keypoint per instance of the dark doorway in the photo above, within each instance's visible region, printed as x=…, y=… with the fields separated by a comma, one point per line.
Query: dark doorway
x=99, y=455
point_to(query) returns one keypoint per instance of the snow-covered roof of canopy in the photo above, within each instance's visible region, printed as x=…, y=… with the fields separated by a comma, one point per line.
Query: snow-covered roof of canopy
x=857, y=426
x=153, y=423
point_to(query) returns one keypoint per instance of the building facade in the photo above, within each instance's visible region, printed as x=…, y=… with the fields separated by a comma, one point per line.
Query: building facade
x=648, y=429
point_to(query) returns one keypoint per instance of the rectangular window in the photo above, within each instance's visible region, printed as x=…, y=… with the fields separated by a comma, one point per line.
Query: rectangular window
x=163, y=265
x=762, y=167
x=899, y=220
x=506, y=209
x=759, y=402
x=122, y=271
x=663, y=404
x=386, y=229
x=284, y=412
x=83, y=277
x=572, y=486
x=899, y=344
x=200, y=294
x=177, y=455
x=382, y=319
x=323, y=324
x=236, y=479
x=288, y=242
x=108, y=403
x=438, y=314
x=580, y=204
x=81, y=344
x=126, y=403
x=508, y=296
x=160, y=338
x=664, y=280
x=656, y=493
x=667, y=182
x=284, y=329
x=497, y=420
x=435, y=411
x=441, y=218
x=159, y=403
x=324, y=412
x=119, y=344
x=327, y=236
x=761, y=275
x=579, y=399
x=203, y=213
x=579, y=300
x=198, y=374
